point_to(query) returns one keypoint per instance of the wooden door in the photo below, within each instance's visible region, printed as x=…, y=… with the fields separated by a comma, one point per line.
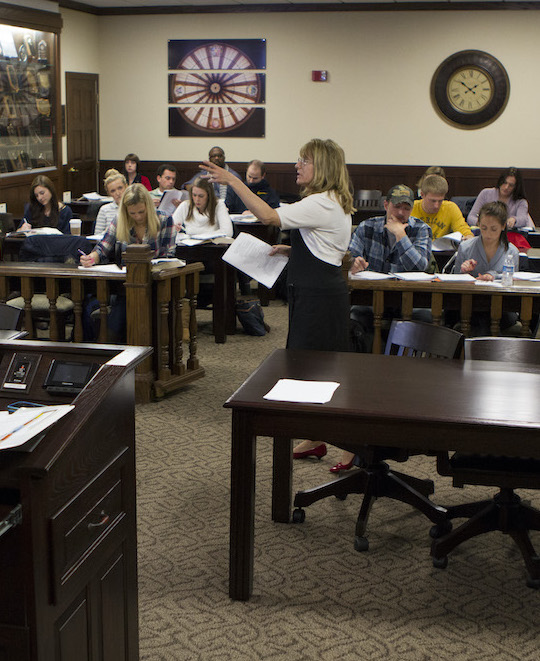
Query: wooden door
x=82, y=122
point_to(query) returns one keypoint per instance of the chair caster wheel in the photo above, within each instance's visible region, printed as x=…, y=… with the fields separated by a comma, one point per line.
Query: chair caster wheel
x=440, y=563
x=341, y=496
x=361, y=543
x=533, y=583
x=440, y=529
x=299, y=516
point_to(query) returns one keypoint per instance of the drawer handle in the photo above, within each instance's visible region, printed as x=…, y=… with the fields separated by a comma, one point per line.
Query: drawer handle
x=104, y=521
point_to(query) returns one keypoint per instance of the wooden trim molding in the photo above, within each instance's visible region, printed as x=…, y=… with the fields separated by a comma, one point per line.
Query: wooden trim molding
x=33, y=19
x=307, y=7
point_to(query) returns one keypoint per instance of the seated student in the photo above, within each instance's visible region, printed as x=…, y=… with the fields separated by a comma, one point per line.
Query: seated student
x=202, y=213
x=131, y=172
x=256, y=182
x=441, y=215
x=115, y=184
x=433, y=169
x=166, y=178
x=138, y=221
x=510, y=190
x=483, y=257
x=217, y=156
x=391, y=243
x=44, y=209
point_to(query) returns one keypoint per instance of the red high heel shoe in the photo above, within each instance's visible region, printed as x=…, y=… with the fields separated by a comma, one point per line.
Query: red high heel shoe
x=341, y=467
x=318, y=452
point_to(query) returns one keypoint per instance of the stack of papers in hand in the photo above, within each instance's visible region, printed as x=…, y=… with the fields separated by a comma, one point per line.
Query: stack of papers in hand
x=447, y=242
x=252, y=256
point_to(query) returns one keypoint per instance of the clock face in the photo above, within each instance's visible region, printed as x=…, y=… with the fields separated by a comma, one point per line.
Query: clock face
x=470, y=89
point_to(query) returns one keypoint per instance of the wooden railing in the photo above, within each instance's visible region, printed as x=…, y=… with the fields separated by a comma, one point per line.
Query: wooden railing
x=464, y=298
x=155, y=298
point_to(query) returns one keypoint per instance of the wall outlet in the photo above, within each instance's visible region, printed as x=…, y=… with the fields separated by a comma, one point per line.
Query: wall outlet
x=66, y=197
x=3, y=208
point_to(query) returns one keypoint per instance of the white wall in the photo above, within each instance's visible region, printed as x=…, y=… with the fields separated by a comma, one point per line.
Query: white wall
x=376, y=105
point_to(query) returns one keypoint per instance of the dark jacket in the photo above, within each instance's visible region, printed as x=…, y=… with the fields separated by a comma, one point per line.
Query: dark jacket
x=262, y=189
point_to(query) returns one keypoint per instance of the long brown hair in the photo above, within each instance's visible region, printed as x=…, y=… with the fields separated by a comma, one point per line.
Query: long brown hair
x=211, y=203
x=37, y=210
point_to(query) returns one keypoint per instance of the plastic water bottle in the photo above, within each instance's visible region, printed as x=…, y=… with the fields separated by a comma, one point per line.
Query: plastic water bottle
x=508, y=271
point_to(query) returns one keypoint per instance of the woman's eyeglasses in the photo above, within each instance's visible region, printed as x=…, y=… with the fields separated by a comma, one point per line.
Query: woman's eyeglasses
x=302, y=161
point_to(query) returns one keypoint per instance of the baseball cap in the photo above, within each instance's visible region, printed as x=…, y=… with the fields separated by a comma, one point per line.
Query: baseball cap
x=400, y=193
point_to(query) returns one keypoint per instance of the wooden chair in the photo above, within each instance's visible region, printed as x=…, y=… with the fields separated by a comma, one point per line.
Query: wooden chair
x=368, y=199
x=505, y=511
x=375, y=479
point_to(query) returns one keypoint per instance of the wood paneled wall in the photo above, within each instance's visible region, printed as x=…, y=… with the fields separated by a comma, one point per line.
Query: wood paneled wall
x=281, y=176
x=462, y=180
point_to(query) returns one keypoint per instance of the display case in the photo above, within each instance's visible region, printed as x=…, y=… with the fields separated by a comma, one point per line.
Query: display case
x=27, y=99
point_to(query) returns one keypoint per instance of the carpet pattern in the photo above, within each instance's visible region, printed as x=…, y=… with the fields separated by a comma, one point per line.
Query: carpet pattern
x=314, y=596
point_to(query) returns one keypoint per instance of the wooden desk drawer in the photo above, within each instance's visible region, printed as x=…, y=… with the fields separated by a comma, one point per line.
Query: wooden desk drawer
x=89, y=526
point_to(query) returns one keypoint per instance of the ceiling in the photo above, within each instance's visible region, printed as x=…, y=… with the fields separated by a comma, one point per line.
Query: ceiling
x=287, y=5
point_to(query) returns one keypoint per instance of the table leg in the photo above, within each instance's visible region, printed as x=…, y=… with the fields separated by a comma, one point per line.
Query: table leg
x=282, y=480
x=242, y=522
x=230, y=299
x=220, y=302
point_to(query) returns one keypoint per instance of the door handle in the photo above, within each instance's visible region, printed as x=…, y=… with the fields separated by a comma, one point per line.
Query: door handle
x=73, y=170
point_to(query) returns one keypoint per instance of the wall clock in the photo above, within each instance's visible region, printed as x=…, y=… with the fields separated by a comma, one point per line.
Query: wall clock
x=470, y=89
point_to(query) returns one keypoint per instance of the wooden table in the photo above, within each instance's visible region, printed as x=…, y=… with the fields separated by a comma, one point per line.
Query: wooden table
x=155, y=297
x=522, y=297
x=453, y=405
x=224, y=299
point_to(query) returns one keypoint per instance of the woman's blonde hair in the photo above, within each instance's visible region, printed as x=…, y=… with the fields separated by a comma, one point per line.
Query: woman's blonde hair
x=111, y=176
x=329, y=171
x=211, y=202
x=135, y=194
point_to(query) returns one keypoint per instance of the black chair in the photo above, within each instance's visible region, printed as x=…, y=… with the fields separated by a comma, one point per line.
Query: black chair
x=465, y=203
x=505, y=511
x=374, y=478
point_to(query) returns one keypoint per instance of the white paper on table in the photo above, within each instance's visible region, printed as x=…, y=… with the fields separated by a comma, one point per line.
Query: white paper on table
x=166, y=204
x=243, y=218
x=20, y=426
x=96, y=196
x=188, y=242
x=489, y=283
x=95, y=237
x=43, y=231
x=370, y=275
x=251, y=256
x=447, y=242
x=105, y=268
x=454, y=277
x=295, y=390
x=172, y=261
x=527, y=275
x=414, y=276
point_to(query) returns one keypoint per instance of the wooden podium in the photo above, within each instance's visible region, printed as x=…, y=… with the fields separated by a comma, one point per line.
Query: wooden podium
x=68, y=546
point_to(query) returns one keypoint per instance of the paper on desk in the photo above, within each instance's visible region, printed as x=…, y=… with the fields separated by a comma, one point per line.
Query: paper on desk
x=414, y=276
x=43, y=231
x=294, y=390
x=172, y=261
x=104, y=268
x=527, y=275
x=95, y=237
x=19, y=427
x=243, y=218
x=453, y=277
x=447, y=242
x=371, y=275
x=251, y=256
x=96, y=196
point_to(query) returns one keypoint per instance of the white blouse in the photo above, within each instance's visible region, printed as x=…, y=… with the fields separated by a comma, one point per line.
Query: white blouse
x=199, y=223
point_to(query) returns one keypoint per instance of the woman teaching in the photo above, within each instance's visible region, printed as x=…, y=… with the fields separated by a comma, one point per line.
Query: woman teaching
x=320, y=225
x=44, y=209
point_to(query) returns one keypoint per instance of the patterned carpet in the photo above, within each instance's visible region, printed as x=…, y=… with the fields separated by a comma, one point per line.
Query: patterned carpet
x=315, y=597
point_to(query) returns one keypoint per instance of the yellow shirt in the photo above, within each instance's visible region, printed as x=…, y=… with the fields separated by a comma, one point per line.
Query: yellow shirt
x=448, y=219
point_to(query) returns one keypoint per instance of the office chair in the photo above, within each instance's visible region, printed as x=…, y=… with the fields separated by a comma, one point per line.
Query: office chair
x=505, y=512
x=374, y=478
